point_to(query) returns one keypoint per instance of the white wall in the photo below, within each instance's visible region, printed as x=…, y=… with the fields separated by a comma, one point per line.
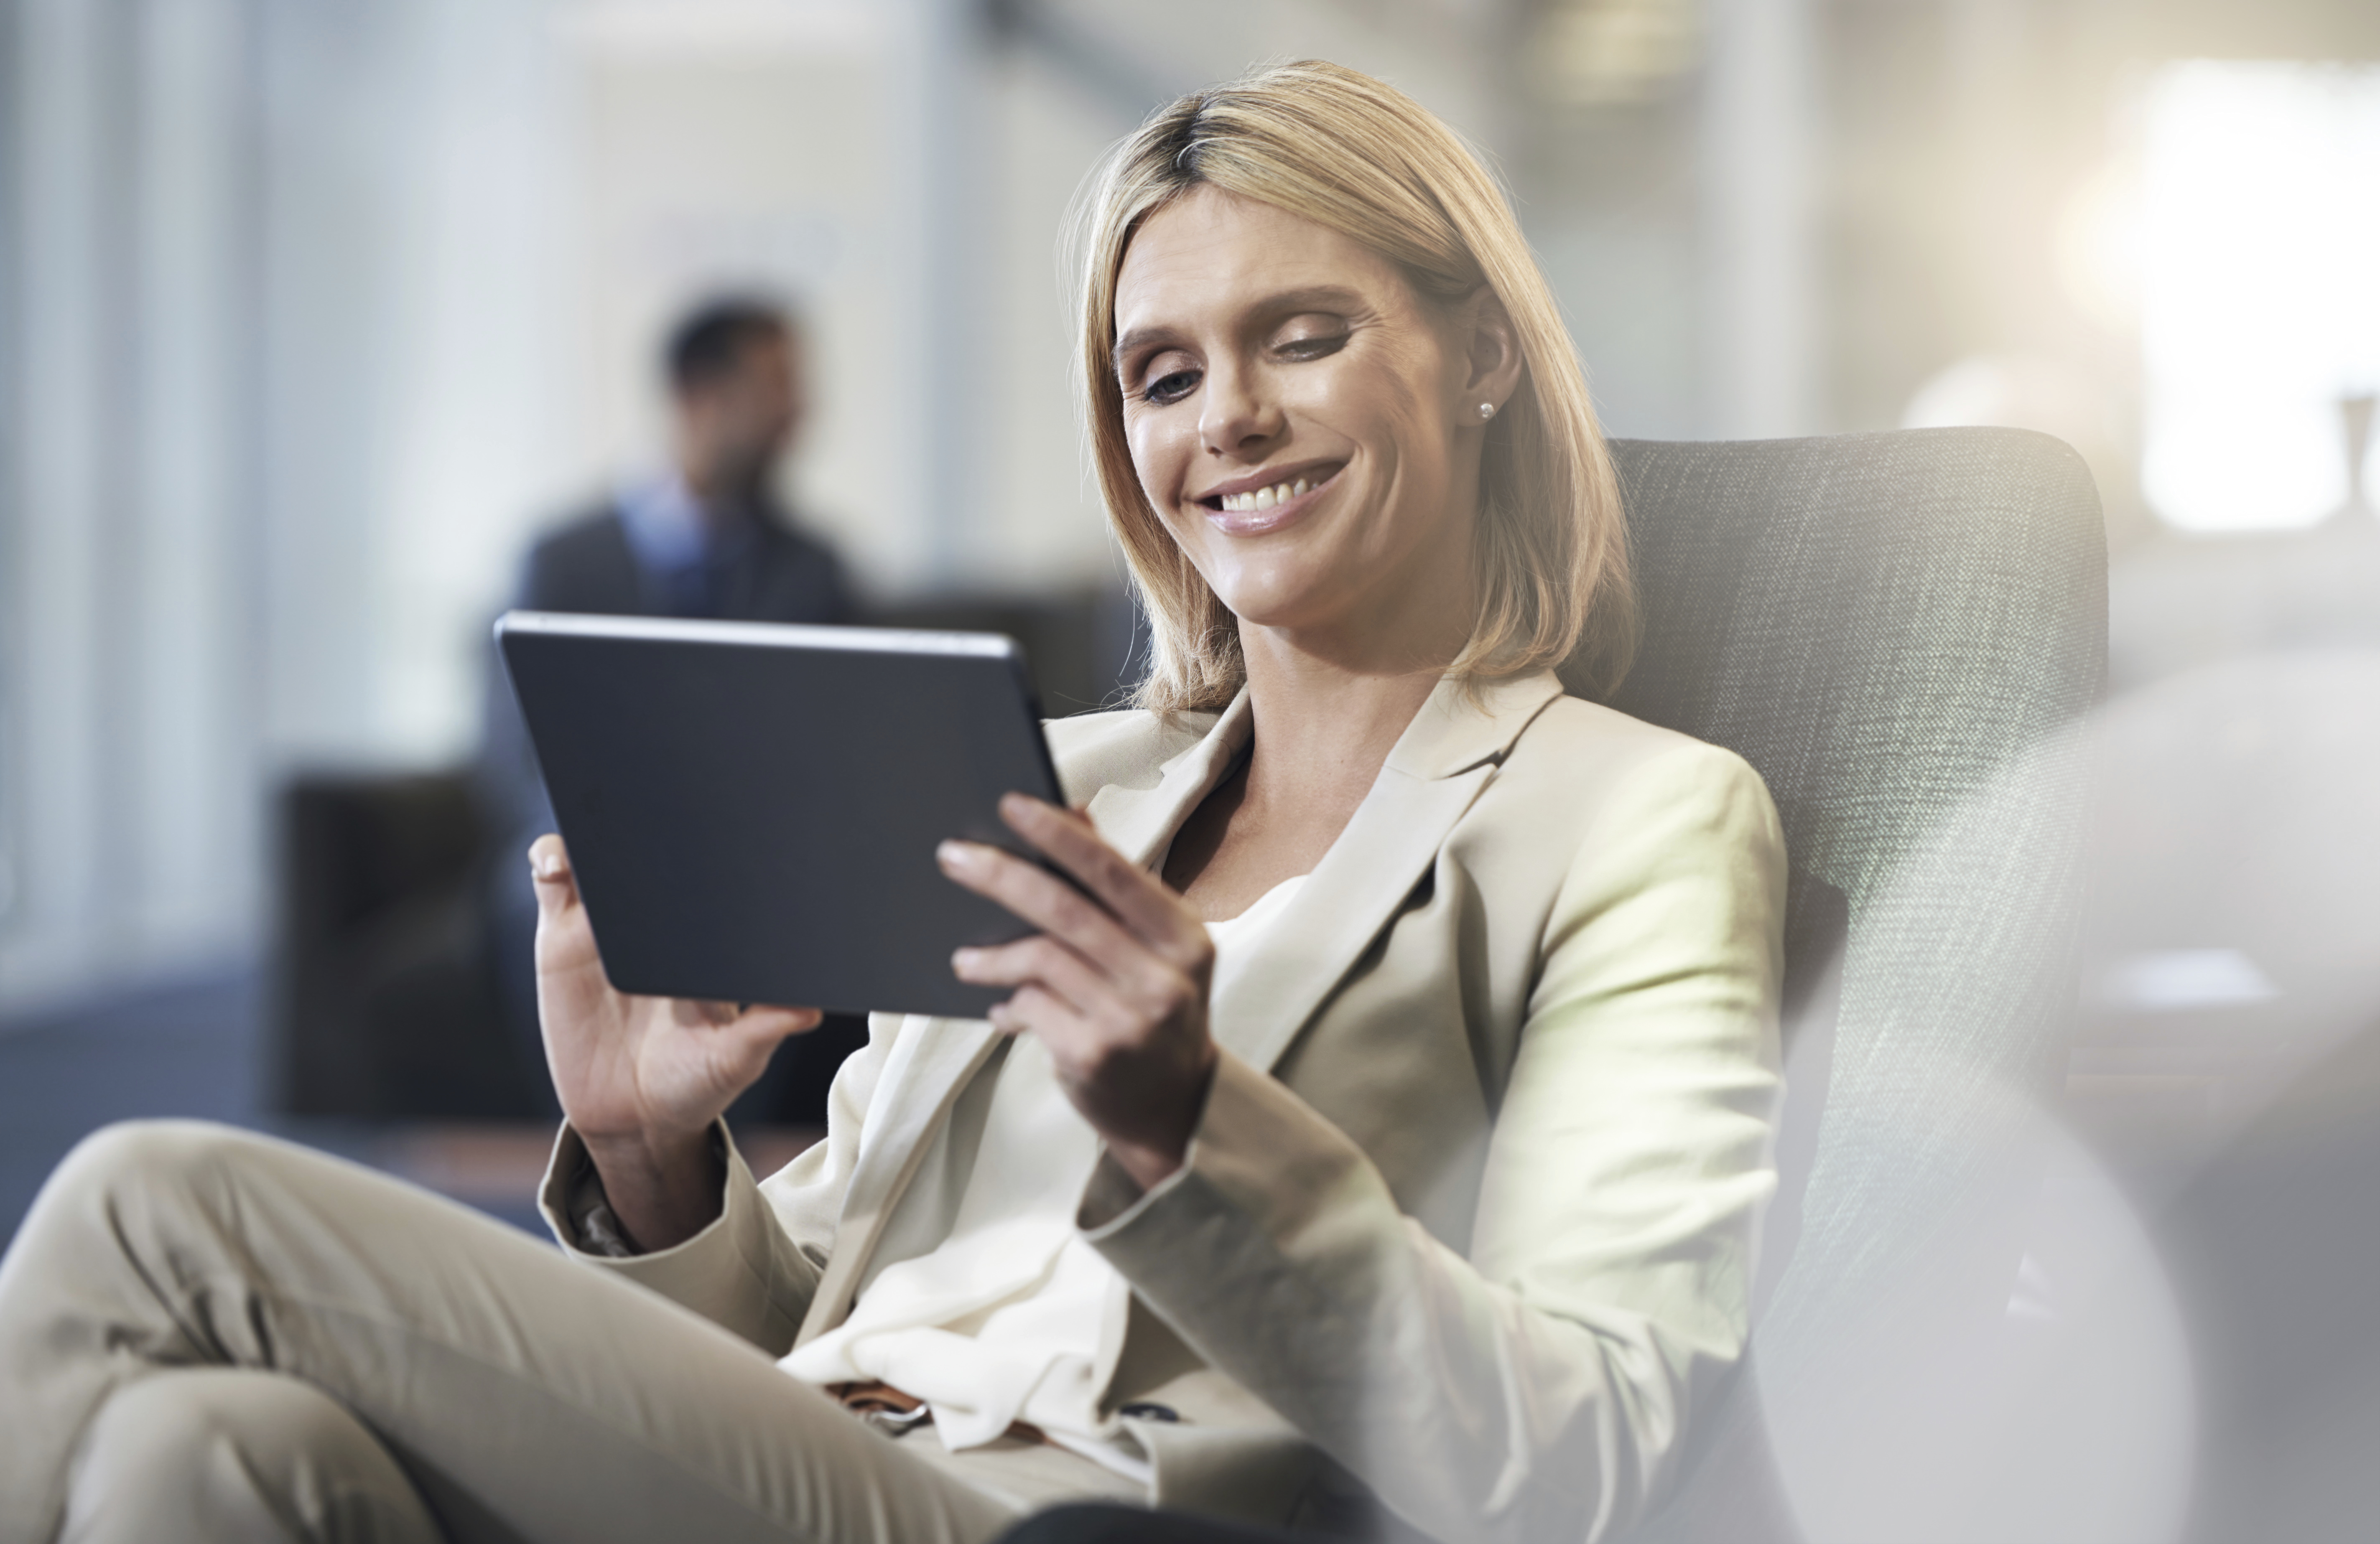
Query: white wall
x=127, y=659
x=1759, y=320
x=1040, y=524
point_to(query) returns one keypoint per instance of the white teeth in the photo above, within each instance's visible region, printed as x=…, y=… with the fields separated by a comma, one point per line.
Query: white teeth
x=1264, y=497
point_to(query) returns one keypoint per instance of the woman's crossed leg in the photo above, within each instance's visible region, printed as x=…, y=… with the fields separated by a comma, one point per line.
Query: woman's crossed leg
x=205, y=1326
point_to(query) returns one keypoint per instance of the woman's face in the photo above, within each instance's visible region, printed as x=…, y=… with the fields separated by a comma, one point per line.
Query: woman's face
x=1306, y=424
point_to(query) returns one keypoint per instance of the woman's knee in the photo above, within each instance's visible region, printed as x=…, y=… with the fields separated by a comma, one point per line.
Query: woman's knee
x=143, y=1147
x=143, y=1153
x=123, y=1178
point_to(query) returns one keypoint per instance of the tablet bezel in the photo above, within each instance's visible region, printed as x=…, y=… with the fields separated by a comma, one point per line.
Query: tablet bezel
x=616, y=851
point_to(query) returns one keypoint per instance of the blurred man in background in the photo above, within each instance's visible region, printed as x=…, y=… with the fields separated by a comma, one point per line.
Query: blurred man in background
x=708, y=537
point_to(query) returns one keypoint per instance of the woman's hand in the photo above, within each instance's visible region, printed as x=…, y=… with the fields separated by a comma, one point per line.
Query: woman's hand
x=1114, y=984
x=641, y=1078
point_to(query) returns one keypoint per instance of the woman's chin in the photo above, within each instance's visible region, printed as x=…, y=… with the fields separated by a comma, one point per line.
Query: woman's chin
x=1300, y=586
x=1275, y=596
x=1292, y=615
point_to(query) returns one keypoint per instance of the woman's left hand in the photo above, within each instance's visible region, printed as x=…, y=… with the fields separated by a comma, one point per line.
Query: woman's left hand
x=1114, y=984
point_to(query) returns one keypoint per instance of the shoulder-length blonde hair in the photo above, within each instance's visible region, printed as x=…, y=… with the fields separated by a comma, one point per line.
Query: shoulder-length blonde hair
x=1355, y=155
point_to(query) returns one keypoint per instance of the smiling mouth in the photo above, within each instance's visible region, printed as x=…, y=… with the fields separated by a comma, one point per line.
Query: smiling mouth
x=1257, y=499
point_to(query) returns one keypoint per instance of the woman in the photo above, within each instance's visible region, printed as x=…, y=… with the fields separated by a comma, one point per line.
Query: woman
x=1384, y=1125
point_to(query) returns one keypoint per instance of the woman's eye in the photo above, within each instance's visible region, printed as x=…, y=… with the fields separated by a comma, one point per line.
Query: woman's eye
x=1170, y=387
x=1312, y=348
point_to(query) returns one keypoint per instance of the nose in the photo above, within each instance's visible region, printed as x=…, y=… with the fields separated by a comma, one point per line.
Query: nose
x=1235, y=413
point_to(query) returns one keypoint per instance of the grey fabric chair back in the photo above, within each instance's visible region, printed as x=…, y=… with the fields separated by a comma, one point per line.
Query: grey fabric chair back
x=1902, y=632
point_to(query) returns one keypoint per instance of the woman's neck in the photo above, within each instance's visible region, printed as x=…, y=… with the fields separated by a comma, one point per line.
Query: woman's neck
x=1321, y=731
x=1329, y=702
x=1321, y=724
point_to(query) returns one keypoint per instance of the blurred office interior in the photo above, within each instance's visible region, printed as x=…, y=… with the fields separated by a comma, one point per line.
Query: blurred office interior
x=314, y=312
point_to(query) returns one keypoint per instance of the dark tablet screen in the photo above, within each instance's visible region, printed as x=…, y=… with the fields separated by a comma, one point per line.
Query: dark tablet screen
x=752, y=809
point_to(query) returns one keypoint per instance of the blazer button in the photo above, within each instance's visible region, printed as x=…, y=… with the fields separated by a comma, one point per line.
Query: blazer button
x=1152, y=1411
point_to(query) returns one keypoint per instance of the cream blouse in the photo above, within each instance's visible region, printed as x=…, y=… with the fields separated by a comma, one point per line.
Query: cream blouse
x=1011, y=1316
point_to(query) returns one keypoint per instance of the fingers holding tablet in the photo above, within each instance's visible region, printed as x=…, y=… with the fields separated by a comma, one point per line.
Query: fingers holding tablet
x=630, y=1065
x=1139, y=897
x=565, y=939
x=1114, y=984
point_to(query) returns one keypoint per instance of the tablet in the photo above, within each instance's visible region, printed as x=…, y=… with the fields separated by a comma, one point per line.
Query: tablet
x=752, y=809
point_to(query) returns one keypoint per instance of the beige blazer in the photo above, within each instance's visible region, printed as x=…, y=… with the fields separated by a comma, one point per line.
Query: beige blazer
x=1469, y=1218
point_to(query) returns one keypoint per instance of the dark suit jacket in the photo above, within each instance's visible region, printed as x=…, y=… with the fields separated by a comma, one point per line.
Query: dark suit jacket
x=587, y=565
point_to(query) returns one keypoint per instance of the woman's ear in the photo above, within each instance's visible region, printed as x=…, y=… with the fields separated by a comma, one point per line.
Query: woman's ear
x=1494, y=352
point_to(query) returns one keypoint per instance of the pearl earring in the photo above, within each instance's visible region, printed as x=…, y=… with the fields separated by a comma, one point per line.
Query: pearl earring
x=1486, y=411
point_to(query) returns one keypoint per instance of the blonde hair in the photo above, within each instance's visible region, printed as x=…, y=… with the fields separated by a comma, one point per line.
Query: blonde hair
x=1359, y=157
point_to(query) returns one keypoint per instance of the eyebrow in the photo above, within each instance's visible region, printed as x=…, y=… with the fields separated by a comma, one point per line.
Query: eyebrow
x=1317, y=297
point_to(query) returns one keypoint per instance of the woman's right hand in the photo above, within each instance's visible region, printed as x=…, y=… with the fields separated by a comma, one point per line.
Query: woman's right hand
x=641, y=1078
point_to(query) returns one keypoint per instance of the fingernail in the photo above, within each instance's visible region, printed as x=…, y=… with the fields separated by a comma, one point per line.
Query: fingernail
x=954, y=854
x=1016, y=806
x=963, y=960
x=545, y=865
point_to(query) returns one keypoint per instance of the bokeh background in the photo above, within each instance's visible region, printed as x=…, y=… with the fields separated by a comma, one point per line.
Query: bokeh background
x=314, y=312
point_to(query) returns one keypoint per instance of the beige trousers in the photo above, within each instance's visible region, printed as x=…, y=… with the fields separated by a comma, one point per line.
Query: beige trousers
x=210, y=1335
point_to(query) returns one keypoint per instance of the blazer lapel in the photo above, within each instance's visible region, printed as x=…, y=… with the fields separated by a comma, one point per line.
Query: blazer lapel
x=1263, y=997
x=1139, y=822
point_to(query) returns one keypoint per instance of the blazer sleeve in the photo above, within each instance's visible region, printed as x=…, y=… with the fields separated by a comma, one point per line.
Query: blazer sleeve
x=1537, y=1387
x=754, y=1269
